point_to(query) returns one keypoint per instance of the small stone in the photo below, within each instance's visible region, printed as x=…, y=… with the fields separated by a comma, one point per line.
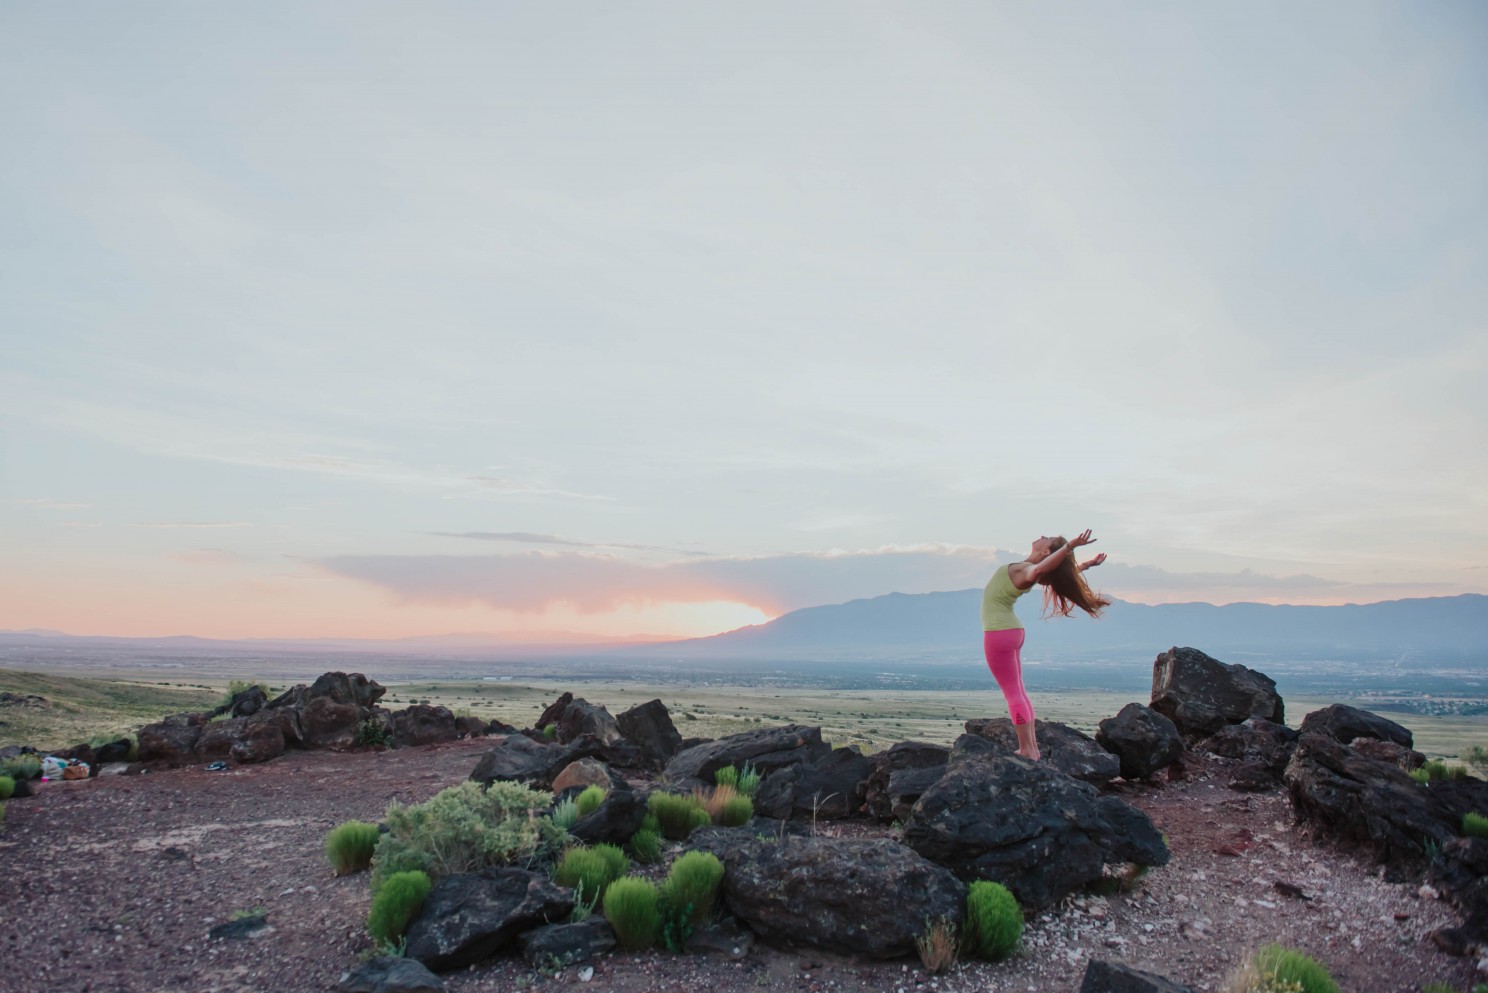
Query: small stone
x=586, y=973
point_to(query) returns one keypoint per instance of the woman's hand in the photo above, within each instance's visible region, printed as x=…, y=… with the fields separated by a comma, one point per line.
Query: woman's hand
x=1081, y=539
x=1092, y=563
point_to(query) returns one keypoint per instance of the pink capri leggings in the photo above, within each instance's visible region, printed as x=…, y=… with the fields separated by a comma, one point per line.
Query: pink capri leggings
x=1001, y=648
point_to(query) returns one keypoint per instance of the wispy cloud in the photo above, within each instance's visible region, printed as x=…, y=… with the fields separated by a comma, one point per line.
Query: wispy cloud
x=47, y=503
x=509, y=487
x=194, y=524
x=527, y=538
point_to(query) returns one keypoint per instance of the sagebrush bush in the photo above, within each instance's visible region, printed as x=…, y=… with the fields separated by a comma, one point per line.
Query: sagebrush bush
x=589, y=800
x=749, y=780
x=1473, y=825
x=691, y=887
x=1279, y=968
x=645, y=845
x=465, y=828
x=396, y=903
x=1477, y=757
x=565, y=814
x=585, y=868
x=7, y=788
x=631, y=907
x=21, y=767
x=677, y=815
x=994, y=921
x=937, y=946
x=350, y=846
x=372, y=734
x=737, y=811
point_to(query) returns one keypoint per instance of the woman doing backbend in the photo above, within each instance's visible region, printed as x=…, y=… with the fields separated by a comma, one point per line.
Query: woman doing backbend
x=1052, y=564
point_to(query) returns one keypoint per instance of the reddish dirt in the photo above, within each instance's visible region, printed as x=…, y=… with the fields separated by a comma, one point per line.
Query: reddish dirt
x=112, y=884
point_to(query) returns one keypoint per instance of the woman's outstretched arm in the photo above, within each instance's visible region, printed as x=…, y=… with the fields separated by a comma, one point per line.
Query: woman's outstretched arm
x=1030, y=574
x=1092, y=563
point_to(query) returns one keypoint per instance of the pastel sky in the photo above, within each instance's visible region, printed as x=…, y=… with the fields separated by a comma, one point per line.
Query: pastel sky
x=599, y=320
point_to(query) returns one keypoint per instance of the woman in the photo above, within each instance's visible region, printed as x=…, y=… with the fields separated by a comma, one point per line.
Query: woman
x=1052, y=563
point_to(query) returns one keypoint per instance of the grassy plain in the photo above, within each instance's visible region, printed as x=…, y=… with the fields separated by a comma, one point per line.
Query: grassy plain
x=80, y=708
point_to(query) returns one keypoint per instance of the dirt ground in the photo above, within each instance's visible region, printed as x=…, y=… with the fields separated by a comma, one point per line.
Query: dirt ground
x=112, y=885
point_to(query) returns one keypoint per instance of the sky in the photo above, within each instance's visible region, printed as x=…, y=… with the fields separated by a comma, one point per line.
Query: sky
x=589, y=321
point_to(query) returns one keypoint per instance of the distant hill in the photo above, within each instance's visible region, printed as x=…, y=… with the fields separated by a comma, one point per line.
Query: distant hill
x=1426, y=629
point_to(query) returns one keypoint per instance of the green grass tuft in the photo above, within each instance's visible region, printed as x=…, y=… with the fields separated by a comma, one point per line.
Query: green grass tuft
x=645, y=845
x=350, y=846
x=591, y=869
x=631, y=905
x=689, y=892
x=589, y=800
x=737, y=811
x=677, y=815
x=1474, y=825
x=994, y=921
x=396, y=904
x=1279, y=966
x=7, y=788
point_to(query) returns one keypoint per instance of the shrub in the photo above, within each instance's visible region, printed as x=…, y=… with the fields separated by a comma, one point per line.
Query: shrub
x=737, y=811
x=677, y=815
x=372, y=734
x=937, y=946
x=727, y=776
x=688, y=894
x=565, y=814
x=21, y=767
x=395, y=904
x=591, y=870
x=616, y=859
x=749, y=780
x=7, y=788
x=1477, y=757
x=994, y=921
x=1438, y=988
x=630, y=905
x=1436, y=770
x=350, y=846
x=645, y=845
x=589, y=800
x=549, y=731
x=242, y=686
x=1473, y=825
x=465, y=828
x=1277, y=968
x=713, y=802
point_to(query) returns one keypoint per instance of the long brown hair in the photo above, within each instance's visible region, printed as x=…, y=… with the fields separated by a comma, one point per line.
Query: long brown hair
x=1065, y=588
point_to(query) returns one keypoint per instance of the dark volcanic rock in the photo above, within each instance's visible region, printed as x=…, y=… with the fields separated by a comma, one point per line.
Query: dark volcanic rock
x=422, y=724
x=114, y=751
x=472, y=916
x=900, y=774
x=1343, y=724
x=649, y=727
x=1360, y=799
x=1072, y=752
x=829, y=788
x=856, y=897
x=519, y=758
x=1201, y=695
x=1037, y=831
x=576, y=718
x=557, y=945
x=1143, y=740
x=614, y=820
x=767, y=749
x=470, y=727
x=172, y=741
x=1256, y=741
x=1113, y=977
x=329, y=711
x=385, y=974
x=1388, y=751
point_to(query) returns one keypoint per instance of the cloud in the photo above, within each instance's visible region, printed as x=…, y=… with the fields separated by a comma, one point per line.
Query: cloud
x=508, y=487
x=47, y=503
x=194, y=524
x=527, y=538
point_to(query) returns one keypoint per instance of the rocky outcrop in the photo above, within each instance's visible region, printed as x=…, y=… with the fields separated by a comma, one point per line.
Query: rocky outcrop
x=1142, y=740
x=617, y=818
x=1040, y=833
x=1343, y=724
x=1354, y=798
x=557, y=945
x=1201, y=695
x=830, y=788
x=1072, y=752
x=519, y=758
x=581, y=773
x=1388, y=751
x=472, y=916
x=767, y=750
x=855, y=897
x=258, y=738
x=900, y=775
x=422, y=724
x=576, y=718
x=244, y=703
x=649, y=727
x=172, y=741
x=1261, y=747
x=1113, y=977
x=331, y=709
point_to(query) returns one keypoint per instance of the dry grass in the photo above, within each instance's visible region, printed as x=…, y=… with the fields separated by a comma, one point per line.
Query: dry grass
x=937, y=946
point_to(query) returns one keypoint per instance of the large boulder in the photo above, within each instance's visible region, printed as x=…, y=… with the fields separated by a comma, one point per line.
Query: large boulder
x=575, y=718
x=172, y=741
x=330, y=710
x=582, y=773
x=1459, y=871
x=1343, y=724
x=1201, y=694
x=386, y=974
x=244, y=703
x=857, y=897
x=1261, y=747
x=114, y=751
x=423, y=724
x=1040, y=833
x=472, y=916
x=257, y=738
x=830, y=788
x=558, y=945
x=1143, y=740
x=649, y=727
x=900, y=775
x=1072, y=752
x=1113, y=977
x=519, y=758
x=766, y=749
x=1377, y=804
x=617, y=817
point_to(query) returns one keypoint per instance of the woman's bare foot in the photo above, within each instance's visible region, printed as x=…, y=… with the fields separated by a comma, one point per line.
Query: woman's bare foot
x=1027, y=741
x=1033, y=755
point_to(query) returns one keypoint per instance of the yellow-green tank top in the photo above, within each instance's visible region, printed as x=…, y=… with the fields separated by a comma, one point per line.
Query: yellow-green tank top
x=997, y=602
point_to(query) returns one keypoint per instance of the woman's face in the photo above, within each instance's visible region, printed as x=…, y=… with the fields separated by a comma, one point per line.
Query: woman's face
x=1041, y=549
